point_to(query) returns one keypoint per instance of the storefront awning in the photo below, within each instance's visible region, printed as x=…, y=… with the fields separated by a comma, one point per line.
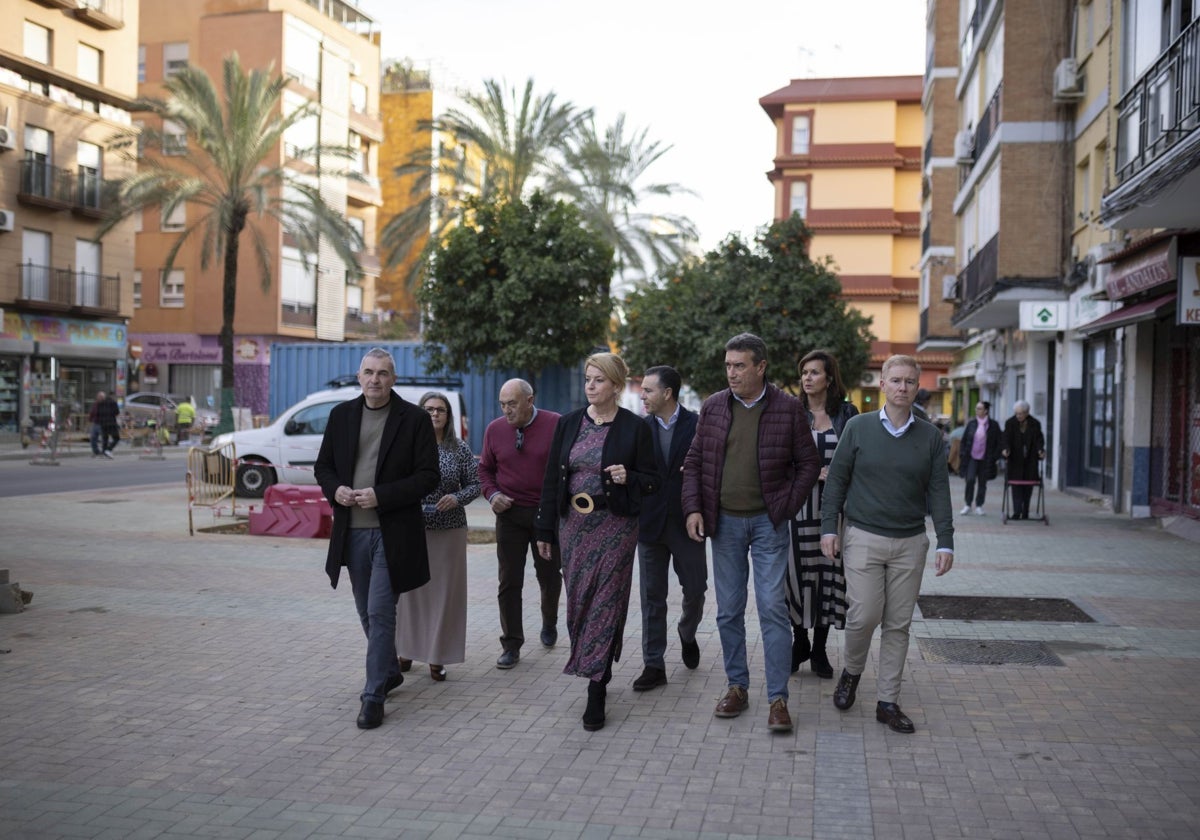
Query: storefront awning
x=1147, y=310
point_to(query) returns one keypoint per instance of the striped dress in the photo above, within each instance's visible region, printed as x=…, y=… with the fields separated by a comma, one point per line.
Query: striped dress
x=816, y=586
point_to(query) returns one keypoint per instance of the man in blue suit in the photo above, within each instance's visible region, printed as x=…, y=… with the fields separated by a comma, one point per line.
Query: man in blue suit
x=662, y=534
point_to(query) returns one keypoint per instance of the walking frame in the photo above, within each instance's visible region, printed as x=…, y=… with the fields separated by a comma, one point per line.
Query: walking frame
x=1037, y=509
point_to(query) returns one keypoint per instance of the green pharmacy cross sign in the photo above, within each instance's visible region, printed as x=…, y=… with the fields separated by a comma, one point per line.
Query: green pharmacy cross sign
x=1045, y=316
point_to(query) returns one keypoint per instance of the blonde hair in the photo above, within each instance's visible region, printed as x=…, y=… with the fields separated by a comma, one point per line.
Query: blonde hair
x=611, y=365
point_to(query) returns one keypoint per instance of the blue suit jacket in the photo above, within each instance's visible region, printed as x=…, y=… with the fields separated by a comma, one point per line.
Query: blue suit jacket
x=664, y=509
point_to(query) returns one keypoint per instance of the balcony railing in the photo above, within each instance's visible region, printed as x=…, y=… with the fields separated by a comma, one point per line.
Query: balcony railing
x=362, y=323
x=989, y=121
x=980, y=274
x=94, y=196
x=46, y=185
x=925, y=237
x=1162, y=107
x=102, y=14
x=66, y=288
x=298, y=314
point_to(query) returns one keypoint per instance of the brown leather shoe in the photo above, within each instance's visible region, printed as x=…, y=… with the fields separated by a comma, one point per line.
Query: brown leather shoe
x=779, y=720
x=733, y=703
x=437, y=672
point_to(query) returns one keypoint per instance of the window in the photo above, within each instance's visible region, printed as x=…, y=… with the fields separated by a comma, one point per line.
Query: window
x=298, y=281
x=177, y=220
x=37, y=169
x=141, y=63
x=88, y=157
x=137, y=288
x=801, y=134
x=358, y=153
x=87, y=273
x=35, y=265
x=1083, y=192
x=175, y=58
x=302, y=53
x=37, y=42
x=172, y=289
x=88, y=63
x=174, y=138
x=354, y=300
x=359, y=226
x=301, y=136
x=311, y=420
x=358, y=97
x=798, y=199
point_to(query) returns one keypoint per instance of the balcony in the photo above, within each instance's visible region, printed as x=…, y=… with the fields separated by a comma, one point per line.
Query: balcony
x=293, y=314
x=361, y=324
x=989, y=121
x=102, y=14
x=58, y=4
x=979, y=277
x=367, y=123
x=1158, y=142
x=94, y=196
x=364, y=193
x=925, y=238
x=52, y=289
x=43, y=185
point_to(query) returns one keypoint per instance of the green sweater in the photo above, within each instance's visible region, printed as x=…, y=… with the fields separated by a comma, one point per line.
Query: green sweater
x=882, y=483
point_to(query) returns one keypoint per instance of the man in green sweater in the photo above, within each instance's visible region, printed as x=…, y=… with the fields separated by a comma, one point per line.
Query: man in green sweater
x=887, y=464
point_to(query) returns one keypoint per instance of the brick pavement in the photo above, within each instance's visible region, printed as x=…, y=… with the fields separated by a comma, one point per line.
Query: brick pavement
x=162, y=686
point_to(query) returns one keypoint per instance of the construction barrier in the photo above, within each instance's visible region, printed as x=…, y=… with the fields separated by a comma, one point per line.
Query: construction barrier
x=210, y=479
x=292, y=510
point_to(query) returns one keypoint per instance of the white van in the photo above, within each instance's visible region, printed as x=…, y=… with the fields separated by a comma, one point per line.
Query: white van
x=285, y=451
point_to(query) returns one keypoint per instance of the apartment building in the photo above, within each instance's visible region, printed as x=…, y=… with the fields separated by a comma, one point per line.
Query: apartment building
x=67, y=80
x=848, y=160
x=330, y=51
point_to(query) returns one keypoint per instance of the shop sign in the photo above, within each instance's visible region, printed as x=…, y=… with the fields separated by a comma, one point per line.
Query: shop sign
x=1145, y=270
x=1188, y=305
x=180, y=349
x=1043, y=315
x=51, y=330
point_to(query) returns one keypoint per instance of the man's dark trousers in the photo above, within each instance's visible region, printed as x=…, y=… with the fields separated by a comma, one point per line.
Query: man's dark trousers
x=691, y=567
x=514, y=540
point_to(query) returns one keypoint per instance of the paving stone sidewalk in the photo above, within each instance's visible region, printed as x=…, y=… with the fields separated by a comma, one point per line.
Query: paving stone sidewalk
x=161, y=686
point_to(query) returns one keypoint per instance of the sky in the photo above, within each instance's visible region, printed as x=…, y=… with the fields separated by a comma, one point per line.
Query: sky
x=691, y=72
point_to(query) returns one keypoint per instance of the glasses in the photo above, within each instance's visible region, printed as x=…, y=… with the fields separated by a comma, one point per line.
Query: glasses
x=433, y=409
x=520, y=439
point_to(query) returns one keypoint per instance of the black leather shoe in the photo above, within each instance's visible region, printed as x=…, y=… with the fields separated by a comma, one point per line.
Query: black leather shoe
x=896, y=720
x=393, y=683
x=508, y=659
x=549, y=635
x=371, y=715
x=593, y=715
x=691, y=653
x=801, y=649
x=650, y=678
x=819, y=663
x=847, y=687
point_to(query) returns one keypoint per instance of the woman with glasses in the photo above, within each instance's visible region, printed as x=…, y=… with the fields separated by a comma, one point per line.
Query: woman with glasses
x=431, y=622
x=601, y=464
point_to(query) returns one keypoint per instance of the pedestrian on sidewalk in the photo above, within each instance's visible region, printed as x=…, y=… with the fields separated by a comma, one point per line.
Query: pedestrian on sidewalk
x=750, y=468
x=511, y=469
x=980, y=452
x=888, y=470
x=378, y=458
x=95, y=430
x=600, y=467
x=431, y=621
x=1024, y=449
x=662, y=532
x=108, y=415
x=816, y=586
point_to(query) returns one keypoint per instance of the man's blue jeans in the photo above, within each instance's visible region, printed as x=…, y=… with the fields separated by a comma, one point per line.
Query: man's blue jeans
x=376, y=604
x=739, y=543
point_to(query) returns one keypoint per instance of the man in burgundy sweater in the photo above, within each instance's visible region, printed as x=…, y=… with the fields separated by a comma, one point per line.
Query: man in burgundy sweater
x=511, y=468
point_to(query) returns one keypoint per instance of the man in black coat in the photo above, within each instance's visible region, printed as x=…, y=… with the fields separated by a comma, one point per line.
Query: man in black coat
x=378, y=458
x=662, y=534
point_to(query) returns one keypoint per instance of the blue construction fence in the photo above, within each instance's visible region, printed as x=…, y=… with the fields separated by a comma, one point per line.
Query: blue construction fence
x=299, y=369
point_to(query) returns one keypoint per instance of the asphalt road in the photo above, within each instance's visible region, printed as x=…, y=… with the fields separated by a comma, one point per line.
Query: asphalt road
x=83, y=472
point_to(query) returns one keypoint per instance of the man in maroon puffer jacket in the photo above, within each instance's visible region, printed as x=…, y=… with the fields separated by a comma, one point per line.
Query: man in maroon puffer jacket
x=751, y=466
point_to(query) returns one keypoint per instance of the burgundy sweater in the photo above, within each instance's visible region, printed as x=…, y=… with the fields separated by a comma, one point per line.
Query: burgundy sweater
x=517, y=475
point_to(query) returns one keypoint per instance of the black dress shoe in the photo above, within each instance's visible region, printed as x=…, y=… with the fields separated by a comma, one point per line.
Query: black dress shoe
x=691, y=653
x=896, y=720
x=393, y=683
x=549, y=635
x=371, y=715
x=593, y=715
x=508, y=659
x=801, y=649
x=819, y=663
x=847, y=687
x=650, y=678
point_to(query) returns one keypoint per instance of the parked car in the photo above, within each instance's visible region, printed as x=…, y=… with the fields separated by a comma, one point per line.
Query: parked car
x=141, y=407
x=285, y=451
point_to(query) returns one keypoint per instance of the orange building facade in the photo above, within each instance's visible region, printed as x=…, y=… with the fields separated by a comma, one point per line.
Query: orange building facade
x=848, y=159
x=330, y=52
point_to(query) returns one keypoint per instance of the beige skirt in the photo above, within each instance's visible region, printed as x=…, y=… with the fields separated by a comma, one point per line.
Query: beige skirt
x=431, y=621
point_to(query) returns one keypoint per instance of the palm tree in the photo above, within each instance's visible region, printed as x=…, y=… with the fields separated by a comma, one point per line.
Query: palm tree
x=604, y=177
x=495, y=147
x=232, y=173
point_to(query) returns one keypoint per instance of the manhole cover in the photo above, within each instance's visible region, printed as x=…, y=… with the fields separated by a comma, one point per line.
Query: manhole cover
x=984, y=608
x=986, y=652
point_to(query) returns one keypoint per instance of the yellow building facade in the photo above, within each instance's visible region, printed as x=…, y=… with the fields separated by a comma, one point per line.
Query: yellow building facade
x=848, y=159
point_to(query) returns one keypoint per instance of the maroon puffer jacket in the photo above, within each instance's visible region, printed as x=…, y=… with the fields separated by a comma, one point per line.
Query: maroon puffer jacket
x=788, y=463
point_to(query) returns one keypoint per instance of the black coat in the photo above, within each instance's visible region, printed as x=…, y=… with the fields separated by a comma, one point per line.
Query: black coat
x=991, y=453
x=665, y=507
x=628, y=442
x=407, y=470
x=1023, y=449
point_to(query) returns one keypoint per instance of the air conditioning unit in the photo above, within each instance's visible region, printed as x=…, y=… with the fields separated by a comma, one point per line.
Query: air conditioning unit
x=950, y=287
x=871, y=379
x=355, y=68
x=6, y=220
x=943, y=382
x=1068, y=85
x=8, y=138
x=964, y=146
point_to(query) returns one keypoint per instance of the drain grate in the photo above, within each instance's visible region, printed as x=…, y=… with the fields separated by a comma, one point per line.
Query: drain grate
x=987, y=652
x=988, y=608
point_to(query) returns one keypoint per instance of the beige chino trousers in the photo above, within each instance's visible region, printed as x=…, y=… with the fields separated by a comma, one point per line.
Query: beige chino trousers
x=883, y=579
